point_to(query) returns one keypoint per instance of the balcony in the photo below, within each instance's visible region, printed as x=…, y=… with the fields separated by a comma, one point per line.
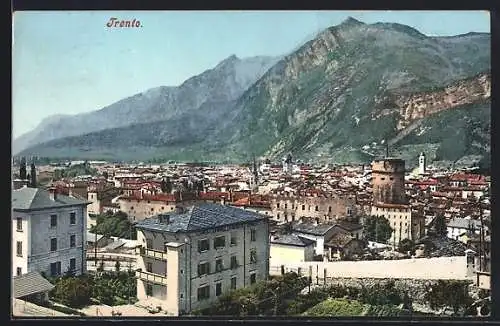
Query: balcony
x=156, y=254
x=150, y=277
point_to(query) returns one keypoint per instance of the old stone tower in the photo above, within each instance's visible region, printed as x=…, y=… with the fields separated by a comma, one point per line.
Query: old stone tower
x=389, y=200
x=388, y=177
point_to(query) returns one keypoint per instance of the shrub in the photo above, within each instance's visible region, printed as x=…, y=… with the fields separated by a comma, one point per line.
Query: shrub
x=336, y=307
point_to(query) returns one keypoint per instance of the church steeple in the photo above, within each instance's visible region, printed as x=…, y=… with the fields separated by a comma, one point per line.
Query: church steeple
x=22, y=169
x=33, y=174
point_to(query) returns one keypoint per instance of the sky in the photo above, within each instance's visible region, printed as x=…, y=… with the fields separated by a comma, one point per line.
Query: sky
x=71, y=62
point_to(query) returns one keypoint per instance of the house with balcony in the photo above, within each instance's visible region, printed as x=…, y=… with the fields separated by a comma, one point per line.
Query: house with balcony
x=48, y=232
x=189, y=258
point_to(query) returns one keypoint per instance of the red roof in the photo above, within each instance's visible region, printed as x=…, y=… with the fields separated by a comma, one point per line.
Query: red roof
x=214, y=195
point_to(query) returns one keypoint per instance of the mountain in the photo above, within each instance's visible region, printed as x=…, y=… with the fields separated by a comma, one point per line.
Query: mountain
x=224, y=83
x=337, y=98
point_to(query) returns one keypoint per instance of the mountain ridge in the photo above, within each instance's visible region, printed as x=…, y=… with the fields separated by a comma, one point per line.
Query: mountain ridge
x=320, y=100
x=224, y=82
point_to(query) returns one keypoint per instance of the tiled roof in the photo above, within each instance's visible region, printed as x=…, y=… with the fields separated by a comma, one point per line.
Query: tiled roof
x=30, y=283
x=36, y=198
x=200, y=217
x=291, y=240
x=349, y=226
x=463, y=223
x=311, y=228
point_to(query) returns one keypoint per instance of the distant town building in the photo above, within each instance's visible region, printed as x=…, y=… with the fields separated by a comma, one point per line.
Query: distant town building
x=291, y=248
x=289, y=208
x=210, y=249
x=48, y=232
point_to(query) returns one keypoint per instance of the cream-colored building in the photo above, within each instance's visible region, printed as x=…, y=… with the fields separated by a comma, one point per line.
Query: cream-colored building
x=48, y=232
x=188, y=259
x=143, y=206
x=292, y=208
x=291, y=248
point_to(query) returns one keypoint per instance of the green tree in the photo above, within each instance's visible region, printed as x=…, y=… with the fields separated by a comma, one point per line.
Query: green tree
x=378, y=229
x=439, y=226
x=406, y=245
x=114, y=224
x=74, y=292
x=166, y=185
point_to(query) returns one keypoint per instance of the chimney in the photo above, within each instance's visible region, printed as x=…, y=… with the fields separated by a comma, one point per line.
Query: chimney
x=53, y=193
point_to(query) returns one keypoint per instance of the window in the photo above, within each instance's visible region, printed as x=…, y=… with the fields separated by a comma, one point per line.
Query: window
x=316, y=208
x=19, y=271
x=286, y=205
x=278, y=205
x=72, y=264
x=303, y=207
x=253, y=255
x=233, y=283
x=253, y=278
x=149, y=267
x=19, y=249
x=149, y=290
x=234, y=241
x=53, y=244
x=203, y=293
x=162, y=208
x=72, y=241
x=149, y=243
x=329, y=209
x=131, y=208
x=234, y=262
x=203, y=269
x=19, y=224
x=218, y=289
x=382, y=179
x=152, y=209
x=219, y=265
x=55, y=269
x=253, y=235
x=72, y=218
x=53, y=221
x=203, y=245
x=220, y=242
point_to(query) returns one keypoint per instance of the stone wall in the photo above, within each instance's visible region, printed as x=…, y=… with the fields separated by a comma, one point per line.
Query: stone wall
x=444, y=268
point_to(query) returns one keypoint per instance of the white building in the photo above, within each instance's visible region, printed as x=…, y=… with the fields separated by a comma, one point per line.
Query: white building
x=422, y=164
x=458, y=226
x=188, y=259
x=48, y=232
x=319, y=233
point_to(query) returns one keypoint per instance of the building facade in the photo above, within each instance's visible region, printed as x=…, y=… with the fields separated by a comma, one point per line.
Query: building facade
x=292, y=208
x=49, y=232
x=188, y=259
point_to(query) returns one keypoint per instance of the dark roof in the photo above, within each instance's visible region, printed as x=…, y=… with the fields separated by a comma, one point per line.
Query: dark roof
x=442, y=246
x=30, y=283
x=200, y=217
x=311, y=228
x=36, y=198
x=291, y=240
x=349, y=226
x=340, y=240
